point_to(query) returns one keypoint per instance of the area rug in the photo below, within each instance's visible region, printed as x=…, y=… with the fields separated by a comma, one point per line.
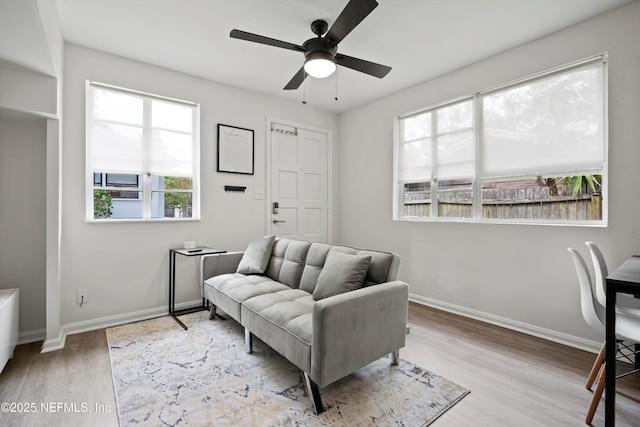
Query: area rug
x=166, y=376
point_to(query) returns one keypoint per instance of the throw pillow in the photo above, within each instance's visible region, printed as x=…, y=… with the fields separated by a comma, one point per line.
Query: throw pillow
x=341, y=273
x=256, y=257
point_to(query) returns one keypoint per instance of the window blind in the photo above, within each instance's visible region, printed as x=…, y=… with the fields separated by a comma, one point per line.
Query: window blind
x=438, y=144
x=132, y=133
x=552, y=125
x=415, y=158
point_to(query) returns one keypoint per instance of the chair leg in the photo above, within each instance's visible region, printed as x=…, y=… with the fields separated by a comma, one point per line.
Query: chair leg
x=596, y=368
x=597, y=394
x=212, y=312
x=314, y=394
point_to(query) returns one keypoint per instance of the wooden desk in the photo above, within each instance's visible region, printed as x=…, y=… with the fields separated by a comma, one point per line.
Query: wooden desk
x=625, y=279
x=172, y=280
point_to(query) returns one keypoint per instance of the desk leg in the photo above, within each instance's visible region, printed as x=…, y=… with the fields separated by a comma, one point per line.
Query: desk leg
x=610, y=358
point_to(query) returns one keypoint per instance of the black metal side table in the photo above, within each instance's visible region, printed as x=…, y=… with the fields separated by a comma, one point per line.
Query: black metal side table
x=172, y=280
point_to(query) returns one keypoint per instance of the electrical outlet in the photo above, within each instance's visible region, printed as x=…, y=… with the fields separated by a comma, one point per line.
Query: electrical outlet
x=258, y=194
x=82, y=297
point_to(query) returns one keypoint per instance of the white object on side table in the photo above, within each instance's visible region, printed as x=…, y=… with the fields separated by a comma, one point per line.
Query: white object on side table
x=8, y=324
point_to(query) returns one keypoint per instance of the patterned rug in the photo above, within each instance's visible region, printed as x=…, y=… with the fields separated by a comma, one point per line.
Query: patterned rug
x=166, y=376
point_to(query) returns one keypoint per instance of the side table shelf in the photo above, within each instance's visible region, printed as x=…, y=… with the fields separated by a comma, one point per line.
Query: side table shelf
x=172, y=280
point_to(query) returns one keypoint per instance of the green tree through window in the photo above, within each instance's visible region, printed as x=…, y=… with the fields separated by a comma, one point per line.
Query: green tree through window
x=178, y=199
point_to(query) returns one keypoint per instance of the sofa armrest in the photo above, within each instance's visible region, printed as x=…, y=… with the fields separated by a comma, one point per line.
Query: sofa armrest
x=353, y=329
x=216, y=264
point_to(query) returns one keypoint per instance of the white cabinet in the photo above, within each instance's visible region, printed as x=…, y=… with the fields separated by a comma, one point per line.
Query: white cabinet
x=8, y=324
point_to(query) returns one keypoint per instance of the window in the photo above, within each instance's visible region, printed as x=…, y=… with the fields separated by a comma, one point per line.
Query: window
x=143, y=155
x=436, y=161
x=531, y=151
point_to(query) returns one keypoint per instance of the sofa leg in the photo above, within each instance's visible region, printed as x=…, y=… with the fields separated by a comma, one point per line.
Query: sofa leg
x=314, y=393
x=248, y=341
x=395, y=357
x=213, y=313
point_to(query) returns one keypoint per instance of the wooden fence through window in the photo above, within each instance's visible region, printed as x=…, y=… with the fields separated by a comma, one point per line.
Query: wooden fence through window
x=512, y=206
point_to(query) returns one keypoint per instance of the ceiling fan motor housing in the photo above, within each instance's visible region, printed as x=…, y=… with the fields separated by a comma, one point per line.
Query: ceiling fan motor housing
x=319, y=46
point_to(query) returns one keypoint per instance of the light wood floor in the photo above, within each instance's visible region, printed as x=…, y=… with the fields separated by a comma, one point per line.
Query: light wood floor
x=77, y=375
x=515, y=380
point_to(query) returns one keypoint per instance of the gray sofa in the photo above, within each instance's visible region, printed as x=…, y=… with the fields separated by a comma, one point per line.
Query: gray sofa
x=300, y=304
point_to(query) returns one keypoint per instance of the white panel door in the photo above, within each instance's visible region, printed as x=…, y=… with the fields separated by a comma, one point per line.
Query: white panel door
x=299, y=185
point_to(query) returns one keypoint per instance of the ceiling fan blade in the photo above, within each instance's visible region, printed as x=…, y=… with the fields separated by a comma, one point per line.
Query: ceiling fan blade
x=243, y=35
x=352, y=14
x=367, y=67
x=297, y=80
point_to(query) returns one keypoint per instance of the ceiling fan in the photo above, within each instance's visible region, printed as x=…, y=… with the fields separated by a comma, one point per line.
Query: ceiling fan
x=321, y=53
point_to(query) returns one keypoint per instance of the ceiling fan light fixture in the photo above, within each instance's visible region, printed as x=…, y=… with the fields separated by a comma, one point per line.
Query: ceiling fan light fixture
x=320, y=64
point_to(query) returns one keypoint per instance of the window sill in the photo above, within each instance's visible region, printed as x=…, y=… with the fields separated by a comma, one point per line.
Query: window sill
x=591, y=224
x=146, y=220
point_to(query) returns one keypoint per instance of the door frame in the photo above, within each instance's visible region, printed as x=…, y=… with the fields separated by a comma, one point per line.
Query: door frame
x=268, y=195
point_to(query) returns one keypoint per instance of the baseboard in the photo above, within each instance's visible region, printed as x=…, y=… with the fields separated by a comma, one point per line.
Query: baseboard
x=54, y=344
x=108, y=322
x=525, y=328
x=27, y=337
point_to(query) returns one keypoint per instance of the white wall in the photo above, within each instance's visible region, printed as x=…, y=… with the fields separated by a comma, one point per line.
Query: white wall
x=521, y=276
x=22, y=219
x=125, y=266
x=31, y=104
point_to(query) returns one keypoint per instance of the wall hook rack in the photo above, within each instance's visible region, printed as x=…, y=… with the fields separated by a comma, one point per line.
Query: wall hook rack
x=234, y=189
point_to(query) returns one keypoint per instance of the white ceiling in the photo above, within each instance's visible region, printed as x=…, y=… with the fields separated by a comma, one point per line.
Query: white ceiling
x=420, y=39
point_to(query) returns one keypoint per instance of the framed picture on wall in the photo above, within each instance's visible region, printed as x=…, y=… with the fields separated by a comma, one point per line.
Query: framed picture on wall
x=235, y=149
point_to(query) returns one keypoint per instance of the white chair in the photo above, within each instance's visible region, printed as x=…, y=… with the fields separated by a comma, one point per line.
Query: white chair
x=624, y=302
x=627, y=328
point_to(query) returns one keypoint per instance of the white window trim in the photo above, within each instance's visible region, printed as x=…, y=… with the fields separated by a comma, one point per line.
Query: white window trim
x=398, y=193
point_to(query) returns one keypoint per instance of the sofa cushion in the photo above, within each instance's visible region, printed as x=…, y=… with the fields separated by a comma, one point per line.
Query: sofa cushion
x=313, y=266
x=287, y=261
x=229, y=291
x=378, y=268
x=341, y=273
x=283, y=320
x=256, y=257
